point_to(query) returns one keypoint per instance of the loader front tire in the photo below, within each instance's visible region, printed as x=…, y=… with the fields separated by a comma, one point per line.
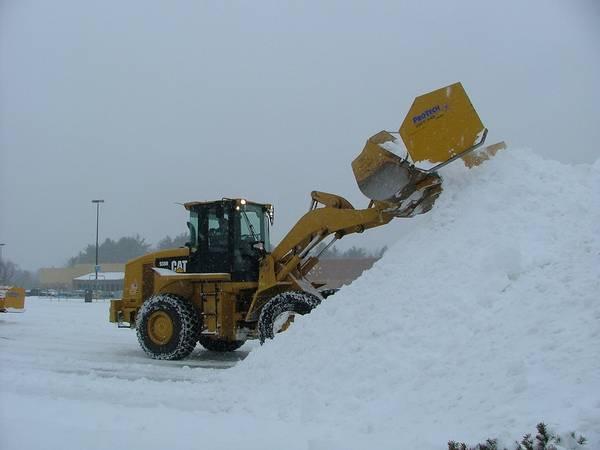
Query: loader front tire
x=278, y=313
x=219, y=345
x=167, y=327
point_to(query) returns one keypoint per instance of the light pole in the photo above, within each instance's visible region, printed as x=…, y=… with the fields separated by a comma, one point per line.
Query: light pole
x=97, y=202
x=1, y=245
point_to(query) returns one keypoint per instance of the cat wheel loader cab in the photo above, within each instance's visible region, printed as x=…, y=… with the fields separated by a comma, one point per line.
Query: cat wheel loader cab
x=229, y=285
x=228, y=236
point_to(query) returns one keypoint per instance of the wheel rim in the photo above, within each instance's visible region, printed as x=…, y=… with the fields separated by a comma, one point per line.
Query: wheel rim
x=160, y=327
x=283, y=321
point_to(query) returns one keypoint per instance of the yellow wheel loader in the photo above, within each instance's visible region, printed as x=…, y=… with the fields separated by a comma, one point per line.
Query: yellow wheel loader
x=228, y=285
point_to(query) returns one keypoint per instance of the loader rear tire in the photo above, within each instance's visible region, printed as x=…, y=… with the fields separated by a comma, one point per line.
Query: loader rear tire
x=167, y=327
x=219, y=345
x=273, y=320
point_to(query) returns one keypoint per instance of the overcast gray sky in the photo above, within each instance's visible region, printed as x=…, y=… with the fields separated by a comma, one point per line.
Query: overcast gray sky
x=148, y=103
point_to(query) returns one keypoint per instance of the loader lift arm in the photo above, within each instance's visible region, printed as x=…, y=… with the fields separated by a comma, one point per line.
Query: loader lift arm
x=337, y=216
x=291, y=260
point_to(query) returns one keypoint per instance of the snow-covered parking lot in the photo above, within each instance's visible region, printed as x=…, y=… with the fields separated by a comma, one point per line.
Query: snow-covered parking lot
x=72, y=380
x=69, y=379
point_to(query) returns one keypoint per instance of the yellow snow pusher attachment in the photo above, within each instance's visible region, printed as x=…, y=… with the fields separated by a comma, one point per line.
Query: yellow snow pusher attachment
x=11, y=298
x=440, y=127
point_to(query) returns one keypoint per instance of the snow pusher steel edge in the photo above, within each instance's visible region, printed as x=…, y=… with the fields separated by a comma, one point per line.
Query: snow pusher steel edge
x=440, y=127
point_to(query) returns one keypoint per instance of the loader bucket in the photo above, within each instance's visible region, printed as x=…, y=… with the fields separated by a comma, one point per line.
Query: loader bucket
x=385, y=176
x=440, y=127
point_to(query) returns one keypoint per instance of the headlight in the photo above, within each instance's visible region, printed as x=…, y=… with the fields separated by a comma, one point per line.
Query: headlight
x=270, y=213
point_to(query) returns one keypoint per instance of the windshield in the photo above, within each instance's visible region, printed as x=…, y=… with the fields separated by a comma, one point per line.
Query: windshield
x=254, y=225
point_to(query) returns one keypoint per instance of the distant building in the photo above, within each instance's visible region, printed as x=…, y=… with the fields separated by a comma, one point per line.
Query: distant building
x=106, y=282
x=62, y=277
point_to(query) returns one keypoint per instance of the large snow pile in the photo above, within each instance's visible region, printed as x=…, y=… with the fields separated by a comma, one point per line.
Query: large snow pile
x=481, y=322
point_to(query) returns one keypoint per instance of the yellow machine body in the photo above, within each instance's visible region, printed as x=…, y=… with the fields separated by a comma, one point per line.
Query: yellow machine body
x=11, y=297
x=212, y=294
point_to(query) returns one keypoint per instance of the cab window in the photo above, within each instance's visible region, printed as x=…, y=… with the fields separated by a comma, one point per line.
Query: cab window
x=218, y=230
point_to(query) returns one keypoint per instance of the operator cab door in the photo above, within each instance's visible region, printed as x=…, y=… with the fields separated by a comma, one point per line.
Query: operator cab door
x=250, y=226
x=214, y=240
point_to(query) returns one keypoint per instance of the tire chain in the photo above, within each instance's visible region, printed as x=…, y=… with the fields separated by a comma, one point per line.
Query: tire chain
x=285, y=301
x=190, y=323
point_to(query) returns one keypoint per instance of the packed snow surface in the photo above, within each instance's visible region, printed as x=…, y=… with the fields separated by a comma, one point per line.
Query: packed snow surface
x=483, y=320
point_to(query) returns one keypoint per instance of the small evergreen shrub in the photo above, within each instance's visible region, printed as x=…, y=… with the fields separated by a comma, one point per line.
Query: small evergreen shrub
x=544, y=440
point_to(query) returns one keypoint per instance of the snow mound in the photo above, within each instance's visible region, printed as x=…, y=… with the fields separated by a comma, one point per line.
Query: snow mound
x=482, y=322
